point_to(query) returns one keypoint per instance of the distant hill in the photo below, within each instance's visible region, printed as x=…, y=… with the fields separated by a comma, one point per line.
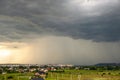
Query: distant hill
x=107, y=64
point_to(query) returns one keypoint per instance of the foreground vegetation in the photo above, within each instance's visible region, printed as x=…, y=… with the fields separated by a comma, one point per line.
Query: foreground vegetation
x=67, y=75
x=23, y=72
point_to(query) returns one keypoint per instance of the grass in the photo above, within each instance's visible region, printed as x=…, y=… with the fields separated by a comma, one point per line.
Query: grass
x=69, y=75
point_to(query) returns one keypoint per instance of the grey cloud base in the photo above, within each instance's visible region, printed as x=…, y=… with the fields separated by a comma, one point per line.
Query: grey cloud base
x=77, y=19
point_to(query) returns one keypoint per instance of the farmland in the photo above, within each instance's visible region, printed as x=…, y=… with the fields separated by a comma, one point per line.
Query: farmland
x=68, y=75
x=55, y=72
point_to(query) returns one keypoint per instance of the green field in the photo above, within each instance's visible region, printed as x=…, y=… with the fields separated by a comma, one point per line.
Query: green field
x=68, y=75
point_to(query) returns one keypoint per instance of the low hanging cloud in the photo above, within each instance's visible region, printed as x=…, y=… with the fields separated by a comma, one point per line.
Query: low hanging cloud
x=78, y=19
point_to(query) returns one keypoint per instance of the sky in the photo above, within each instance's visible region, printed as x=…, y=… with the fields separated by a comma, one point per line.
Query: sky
x=81, y=32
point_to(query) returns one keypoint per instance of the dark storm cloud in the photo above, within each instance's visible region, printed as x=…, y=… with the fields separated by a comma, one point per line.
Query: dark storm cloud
x=93, y=20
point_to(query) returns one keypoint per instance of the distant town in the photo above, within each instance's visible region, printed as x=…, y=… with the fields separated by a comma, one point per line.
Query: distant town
x=21, y=68
x=59, y=71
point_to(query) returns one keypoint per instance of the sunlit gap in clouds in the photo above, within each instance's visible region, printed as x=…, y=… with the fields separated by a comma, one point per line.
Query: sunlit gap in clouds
x=85, y=4
x=86, y=8
x=93, y=6
x=4, y=55
x=5, y=52
x=13, y=52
